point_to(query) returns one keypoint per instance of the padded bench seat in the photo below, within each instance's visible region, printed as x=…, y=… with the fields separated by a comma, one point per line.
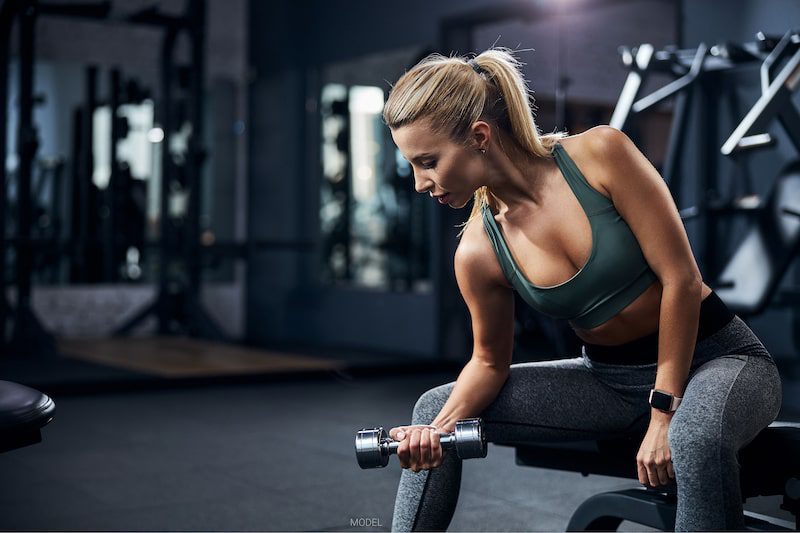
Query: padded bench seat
x=23, y=412
x=770, y=465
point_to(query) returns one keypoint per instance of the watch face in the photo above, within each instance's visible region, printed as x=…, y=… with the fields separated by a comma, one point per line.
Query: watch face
x=660, y=400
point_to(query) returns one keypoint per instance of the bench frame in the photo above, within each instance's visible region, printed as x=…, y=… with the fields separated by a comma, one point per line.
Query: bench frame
x=656, y=508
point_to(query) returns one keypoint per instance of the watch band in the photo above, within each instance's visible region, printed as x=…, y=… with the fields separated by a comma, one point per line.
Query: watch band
x=664, y=401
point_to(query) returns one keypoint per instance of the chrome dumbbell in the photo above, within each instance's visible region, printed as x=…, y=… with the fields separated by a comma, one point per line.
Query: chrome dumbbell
x=373, y=446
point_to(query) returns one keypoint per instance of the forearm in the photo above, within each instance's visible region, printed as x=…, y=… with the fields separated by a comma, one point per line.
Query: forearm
x=680, y=314
x=476, y=387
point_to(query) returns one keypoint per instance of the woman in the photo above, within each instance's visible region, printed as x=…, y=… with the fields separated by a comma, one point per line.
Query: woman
x=584, y=228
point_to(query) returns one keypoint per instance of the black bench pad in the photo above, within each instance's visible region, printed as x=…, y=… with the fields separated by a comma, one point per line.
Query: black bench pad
x=23, y=412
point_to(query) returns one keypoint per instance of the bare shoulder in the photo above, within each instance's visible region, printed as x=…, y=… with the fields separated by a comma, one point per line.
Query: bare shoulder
x=475, y=258
x=594, y=152
x=598, y=140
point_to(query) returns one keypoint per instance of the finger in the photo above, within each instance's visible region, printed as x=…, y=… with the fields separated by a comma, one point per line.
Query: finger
x=664, y=464
x=403, y=454
x=425, y=448
x=436, y=447
x=661, y=465
x=663, y=476
x=414, y=447
x=670, y=470
x=398, y=433
x=642, y=471
x=652, y=474
x=436, y=451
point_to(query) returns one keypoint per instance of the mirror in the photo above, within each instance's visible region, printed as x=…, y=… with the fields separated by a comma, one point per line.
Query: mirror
x=375, y=229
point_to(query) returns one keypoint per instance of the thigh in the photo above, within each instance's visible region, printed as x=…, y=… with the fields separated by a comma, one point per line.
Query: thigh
x=727, y=401
x=561, y=400
x=552, y=401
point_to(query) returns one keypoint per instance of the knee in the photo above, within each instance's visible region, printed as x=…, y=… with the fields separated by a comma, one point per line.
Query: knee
x=429, y=404
x=696, y=446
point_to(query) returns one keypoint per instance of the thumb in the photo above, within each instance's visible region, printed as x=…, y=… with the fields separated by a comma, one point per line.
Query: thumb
x=398, y=433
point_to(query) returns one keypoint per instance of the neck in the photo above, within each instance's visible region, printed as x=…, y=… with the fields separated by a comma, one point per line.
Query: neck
x=518, y=180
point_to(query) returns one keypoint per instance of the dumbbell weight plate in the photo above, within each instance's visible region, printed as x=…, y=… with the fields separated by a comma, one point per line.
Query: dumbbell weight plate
x=369, y=452
x=471, y=438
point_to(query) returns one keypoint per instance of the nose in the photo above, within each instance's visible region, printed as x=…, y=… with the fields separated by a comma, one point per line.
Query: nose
x=421, y=183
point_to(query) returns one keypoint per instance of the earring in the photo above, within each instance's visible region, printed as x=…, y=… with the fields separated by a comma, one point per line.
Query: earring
x=482, y=150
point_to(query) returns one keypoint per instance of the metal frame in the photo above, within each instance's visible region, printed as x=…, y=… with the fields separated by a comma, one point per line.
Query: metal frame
x=769, y=467
x=177, y=303
x=775, y=102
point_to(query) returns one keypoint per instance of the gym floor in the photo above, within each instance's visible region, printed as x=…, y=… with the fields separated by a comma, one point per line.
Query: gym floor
x=269, y=456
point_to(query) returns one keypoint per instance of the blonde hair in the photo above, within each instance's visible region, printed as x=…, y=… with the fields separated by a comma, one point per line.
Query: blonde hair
x=451, y=95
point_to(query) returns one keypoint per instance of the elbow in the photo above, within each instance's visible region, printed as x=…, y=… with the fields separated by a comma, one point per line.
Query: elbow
x=691, y=283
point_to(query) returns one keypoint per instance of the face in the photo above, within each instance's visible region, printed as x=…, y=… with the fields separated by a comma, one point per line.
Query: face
x=448, y=171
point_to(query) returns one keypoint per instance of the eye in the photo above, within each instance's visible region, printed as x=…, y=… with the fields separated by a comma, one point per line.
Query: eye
x=428, y=164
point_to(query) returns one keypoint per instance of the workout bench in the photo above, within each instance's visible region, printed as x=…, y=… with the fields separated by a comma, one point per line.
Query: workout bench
x=770, y=465
x=23, y=413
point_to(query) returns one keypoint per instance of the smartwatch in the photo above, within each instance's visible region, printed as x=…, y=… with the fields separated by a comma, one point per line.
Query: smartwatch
x=664, y=401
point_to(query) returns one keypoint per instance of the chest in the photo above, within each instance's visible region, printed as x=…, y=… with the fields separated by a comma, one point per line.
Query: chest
x=552, y=242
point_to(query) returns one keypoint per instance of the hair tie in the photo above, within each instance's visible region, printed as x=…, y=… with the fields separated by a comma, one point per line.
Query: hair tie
x=475, y=66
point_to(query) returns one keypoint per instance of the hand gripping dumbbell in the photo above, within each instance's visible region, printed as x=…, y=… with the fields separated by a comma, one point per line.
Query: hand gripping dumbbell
x=373, y=446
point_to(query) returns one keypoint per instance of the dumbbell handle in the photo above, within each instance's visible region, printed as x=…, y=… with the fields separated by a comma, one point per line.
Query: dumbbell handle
x=447, y=440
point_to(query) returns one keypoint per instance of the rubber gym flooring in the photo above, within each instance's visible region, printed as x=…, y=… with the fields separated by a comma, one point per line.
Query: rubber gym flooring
x=265, y=455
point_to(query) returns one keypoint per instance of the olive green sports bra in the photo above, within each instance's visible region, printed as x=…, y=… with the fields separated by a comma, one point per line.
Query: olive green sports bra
x=613, y=276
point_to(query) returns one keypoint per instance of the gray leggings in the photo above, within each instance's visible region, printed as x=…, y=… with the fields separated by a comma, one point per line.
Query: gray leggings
x=733, y=392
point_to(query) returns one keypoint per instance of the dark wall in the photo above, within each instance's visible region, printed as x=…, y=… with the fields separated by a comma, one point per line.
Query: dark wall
x=736, y=19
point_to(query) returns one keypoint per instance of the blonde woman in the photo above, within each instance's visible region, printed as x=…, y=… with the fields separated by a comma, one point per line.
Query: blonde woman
x=584, y=228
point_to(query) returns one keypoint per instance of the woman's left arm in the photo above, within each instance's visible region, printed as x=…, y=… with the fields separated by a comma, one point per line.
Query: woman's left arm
x=643, y=199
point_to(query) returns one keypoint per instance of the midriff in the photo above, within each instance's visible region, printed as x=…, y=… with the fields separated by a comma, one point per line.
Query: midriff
x=639, y=318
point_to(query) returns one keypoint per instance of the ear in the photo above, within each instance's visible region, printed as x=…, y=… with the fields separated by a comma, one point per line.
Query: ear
x=481, y=135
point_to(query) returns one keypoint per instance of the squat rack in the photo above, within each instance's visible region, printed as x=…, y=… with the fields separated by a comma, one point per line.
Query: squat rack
x=177, y=305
